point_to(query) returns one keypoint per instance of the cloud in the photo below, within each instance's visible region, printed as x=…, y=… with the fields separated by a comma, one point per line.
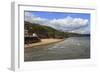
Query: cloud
x=30, y=17
x=68, y=23
x=83, y=30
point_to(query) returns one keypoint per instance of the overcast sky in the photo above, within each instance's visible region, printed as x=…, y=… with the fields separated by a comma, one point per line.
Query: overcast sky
x=72, y=22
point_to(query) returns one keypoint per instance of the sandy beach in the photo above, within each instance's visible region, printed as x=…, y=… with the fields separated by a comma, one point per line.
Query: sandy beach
x=43, y=42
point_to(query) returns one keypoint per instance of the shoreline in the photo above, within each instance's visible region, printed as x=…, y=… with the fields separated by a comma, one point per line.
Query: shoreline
x=43, y=42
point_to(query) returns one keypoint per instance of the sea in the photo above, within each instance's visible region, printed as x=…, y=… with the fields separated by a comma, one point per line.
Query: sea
x=70, y=48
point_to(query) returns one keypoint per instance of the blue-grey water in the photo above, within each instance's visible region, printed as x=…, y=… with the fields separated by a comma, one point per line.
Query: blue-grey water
x=70, y=48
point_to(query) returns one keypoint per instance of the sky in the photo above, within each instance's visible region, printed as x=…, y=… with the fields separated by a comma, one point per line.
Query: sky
x=68, y=22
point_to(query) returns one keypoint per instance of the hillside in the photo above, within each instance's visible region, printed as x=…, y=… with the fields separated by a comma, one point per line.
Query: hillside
x=48, y=32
